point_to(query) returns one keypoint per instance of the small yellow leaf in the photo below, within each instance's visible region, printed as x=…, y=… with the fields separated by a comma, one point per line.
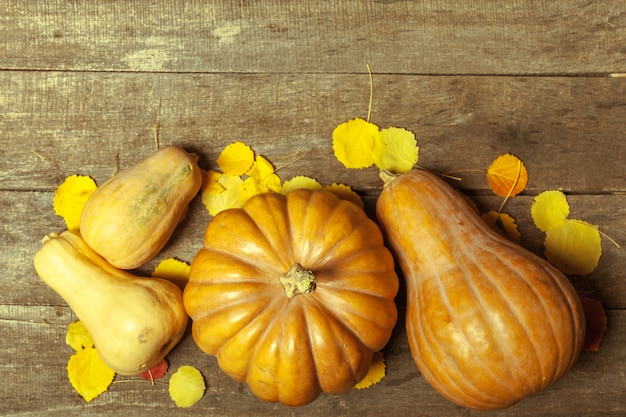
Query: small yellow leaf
x=300, y=181
x=211, y=182
x=77, y=336
x=503, y=224
x=233, y=195
x=344, y=192
x=376, y=372
x=236, y=159
x=88, y=374
x=507, y=175
x=353, y=143
x=549, y=210
x=262, y=178
x=186, y=386
x=395, y=150
x=70, y=198
x=173, y=270
x=574, y=247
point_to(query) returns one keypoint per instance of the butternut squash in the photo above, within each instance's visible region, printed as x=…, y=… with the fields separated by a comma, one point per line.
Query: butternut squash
x=133, y=321
x=488, y=322
x=130, y=217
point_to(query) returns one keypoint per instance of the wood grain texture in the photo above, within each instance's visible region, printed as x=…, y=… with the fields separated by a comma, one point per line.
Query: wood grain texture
x=410, y=37
x=568, y=130
x=82, y=82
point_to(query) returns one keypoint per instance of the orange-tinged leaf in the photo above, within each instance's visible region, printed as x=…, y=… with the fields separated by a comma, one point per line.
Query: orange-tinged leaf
x=504, y=224
x=345, y=192
x=88, y=374
x=353, y=143
x=574, y=247
x=186, y=386
x=507, y=175
x=376, y=372
x=300, y=181
x=70, y=198
x=549, y=210
x=595, y=318
x=395, y=150
x=236, y=159
x=77, y=336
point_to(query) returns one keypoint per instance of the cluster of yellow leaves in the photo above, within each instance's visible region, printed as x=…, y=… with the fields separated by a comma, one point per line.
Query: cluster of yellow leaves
x=90, y=376
x=359, y=143
x=574, y=246
x=244, y=174
x=87, y=373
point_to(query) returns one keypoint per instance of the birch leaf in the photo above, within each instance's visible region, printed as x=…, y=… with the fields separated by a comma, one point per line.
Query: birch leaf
x=236, y=159
x=504, y=224
x=77, y=336
x=574, y=247
x=70, y=198
x=507, y=175
x=376, y=372
x=300, y=181
x=186, y=386
x=549, y=210
x=88, y=374
x=345, y=192
x=353, y=143
x=395, y=150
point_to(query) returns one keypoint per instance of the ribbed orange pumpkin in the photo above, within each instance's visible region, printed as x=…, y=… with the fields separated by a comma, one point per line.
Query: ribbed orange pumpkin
x=293, y=294
x=488, y=322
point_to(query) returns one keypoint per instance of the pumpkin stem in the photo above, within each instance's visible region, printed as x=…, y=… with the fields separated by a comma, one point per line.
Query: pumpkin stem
x=298, y=280
x=387, y=176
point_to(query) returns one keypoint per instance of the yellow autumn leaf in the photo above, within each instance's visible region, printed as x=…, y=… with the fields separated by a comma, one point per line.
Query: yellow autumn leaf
x=186, y=386
x=507, y=175
x=574, y=247
x=395, y=150
x=353, y=143
x=376, y=372
x=345, y=192
x=300, y=181
x=233, y=196
x=261, y=177
x=70, y=198
x=173, y=270
x=211, y=182
x=504, y=224
x=88, y=374
x=236, y=159
x=549, y=210
x=77, y=336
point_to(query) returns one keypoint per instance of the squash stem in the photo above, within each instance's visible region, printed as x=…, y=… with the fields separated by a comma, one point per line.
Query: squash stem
x=298, y=280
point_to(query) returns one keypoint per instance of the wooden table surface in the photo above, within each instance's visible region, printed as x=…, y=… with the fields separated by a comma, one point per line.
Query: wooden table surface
x=83, y=81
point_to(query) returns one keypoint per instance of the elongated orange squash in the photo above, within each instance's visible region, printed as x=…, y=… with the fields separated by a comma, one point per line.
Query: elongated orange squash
x=130, y=217
x=488, y=322
x=133, y=321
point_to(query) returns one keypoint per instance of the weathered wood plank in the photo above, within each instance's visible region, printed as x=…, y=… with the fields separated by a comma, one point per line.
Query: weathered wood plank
x=436, y=37
x=569, y=131
x=34, y=356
